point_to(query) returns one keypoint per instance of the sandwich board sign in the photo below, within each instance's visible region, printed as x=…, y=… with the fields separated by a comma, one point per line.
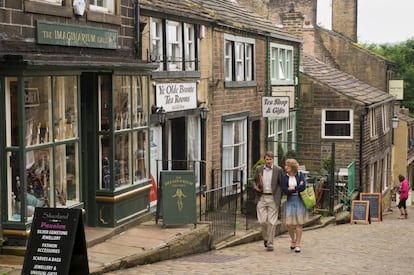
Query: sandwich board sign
x=56, y=243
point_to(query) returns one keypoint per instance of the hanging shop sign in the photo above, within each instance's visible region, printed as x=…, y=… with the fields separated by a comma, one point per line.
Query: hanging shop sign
x=176, y=96
x=275, y=106
x=53, y=33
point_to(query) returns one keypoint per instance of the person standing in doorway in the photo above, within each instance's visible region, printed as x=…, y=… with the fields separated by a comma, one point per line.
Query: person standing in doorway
x=267, y=183
x=293, y=182
x=403, y=191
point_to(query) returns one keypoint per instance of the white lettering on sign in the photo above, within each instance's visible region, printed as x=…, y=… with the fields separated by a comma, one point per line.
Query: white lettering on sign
x=275, y=106
x=176, y=96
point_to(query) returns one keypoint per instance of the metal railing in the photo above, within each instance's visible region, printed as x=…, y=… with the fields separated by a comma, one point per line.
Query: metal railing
x=220, y=209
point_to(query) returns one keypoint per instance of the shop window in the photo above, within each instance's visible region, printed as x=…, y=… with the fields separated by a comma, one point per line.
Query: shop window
x=129, y=164
x=50, y=149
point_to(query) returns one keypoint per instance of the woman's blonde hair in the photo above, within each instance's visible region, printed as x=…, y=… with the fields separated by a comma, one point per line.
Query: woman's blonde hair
x=292, y=163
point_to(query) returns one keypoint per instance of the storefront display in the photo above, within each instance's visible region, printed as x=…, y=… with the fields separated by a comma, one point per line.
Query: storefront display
x=51, y=175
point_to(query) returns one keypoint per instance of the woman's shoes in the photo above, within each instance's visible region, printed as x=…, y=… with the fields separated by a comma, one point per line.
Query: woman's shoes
x=292, y=245
x=297, y=249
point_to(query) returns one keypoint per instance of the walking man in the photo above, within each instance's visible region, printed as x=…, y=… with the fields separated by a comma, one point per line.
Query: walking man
x=267, y=183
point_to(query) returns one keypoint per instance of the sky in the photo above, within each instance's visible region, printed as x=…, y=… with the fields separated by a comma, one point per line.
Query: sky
x=379, y=21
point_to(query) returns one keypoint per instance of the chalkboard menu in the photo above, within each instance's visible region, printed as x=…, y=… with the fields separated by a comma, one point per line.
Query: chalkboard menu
x=56, y=244
x=360, y=212
x=375, y=205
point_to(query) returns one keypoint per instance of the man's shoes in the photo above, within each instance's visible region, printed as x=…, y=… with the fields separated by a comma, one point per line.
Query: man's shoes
x=265, y=243
x=269, y=247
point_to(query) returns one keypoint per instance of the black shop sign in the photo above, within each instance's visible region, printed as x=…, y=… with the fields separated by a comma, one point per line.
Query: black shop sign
x=56, y=243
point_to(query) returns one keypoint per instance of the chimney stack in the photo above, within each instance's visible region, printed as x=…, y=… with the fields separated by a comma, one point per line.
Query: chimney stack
x=344, y=18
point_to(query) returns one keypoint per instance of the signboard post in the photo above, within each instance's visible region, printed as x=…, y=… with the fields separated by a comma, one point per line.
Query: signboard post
x=375, y=205
x=56, y=243
x=178, y=197
x=360, y=212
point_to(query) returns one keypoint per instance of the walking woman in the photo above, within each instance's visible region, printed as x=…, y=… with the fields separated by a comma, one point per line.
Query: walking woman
x=295, y=211
x=403, y=191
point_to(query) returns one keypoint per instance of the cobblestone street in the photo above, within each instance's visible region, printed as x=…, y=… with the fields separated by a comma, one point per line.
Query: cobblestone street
x=385, y=247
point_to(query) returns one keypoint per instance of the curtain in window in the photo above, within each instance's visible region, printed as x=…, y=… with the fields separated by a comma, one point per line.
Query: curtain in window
x=193, y=146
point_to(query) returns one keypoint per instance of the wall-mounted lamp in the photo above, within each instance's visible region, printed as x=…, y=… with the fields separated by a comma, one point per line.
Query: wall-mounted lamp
x=203, y=113
x=395, y=121
x=160, y=111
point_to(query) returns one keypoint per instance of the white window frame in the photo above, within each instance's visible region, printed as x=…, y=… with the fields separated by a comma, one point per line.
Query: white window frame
x=384, y=173
x=373, y=126
x=189, y=47
x=228, y=60
x=230, y=144
x=242, y=61
x=156, y=42
x=178, y=36
x=52, y=2
x=108, y=6
x=174, y=45
x=281, y=64
x=385, y=118
x=279, y=130
x=324, y=122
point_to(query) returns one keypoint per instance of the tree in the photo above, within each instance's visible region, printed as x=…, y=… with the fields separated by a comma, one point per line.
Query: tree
x=402, y=54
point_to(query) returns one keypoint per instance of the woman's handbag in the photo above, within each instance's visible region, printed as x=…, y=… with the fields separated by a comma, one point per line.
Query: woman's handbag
x=308, y=197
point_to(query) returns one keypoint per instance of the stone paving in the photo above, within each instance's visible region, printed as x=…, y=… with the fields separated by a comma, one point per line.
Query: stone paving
x=385, y=247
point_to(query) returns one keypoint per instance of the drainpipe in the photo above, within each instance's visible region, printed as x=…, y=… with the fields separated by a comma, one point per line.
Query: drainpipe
x=361, y=144
x=137, y=36
x=267, y=89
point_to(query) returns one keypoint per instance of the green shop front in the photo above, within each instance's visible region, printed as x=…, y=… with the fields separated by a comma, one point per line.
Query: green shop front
x=75, y=135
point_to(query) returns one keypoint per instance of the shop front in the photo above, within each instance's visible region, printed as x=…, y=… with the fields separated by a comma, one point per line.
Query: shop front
x=76, y=134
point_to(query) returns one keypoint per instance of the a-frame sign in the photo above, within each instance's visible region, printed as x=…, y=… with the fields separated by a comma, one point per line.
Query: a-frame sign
x=56, y=243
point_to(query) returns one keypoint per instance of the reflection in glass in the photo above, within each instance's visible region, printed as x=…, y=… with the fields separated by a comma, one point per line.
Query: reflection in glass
x=37, y=109
x=140, y=157
x=65, y=107
x=122, y=157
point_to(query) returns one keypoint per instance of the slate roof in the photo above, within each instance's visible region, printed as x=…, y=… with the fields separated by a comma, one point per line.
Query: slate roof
x=343, y=83
x=223, y=13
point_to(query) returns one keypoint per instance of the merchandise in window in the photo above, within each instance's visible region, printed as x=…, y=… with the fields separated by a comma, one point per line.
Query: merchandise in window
x=51, y=176
x=128, y=163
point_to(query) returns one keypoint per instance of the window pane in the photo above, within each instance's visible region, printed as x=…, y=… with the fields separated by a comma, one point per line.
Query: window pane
x=104, y=152
x=139, y=102
x=122, y=92
x=65, y=108
x=39, y=175
x=122, y=160
x=140, y=156
x=337, y=115
x=337, y=130
x=37, y=109
x=12, y=117
x=66, y=174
